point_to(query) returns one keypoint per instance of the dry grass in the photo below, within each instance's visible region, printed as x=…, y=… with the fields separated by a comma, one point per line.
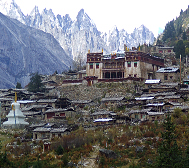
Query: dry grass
x=5, y=139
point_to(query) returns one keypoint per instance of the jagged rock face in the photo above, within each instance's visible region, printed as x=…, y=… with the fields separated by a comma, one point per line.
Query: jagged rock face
x=25, y=50
x=78, y=36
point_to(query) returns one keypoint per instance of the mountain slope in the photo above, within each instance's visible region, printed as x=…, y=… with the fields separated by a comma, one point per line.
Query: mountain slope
x=25, y=50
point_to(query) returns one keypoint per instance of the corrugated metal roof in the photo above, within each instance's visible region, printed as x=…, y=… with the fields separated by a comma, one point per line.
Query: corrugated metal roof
x=144, y=98
x=152, y=81
x=168, y=70
x=103, y=120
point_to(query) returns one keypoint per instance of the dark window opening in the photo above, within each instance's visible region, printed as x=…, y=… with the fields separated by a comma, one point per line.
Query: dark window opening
x=165, y=77
x=135, y=64
x=107, y=75
x=113, y=75
x=129, y=64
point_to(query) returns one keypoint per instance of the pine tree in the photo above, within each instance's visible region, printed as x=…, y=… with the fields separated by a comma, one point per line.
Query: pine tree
x=18, y=85
x=169, y=154
x=35, y=84
x=179, y=49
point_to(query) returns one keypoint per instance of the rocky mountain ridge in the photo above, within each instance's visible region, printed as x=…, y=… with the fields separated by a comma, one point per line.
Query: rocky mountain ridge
x=78, y=36
x=25, y=50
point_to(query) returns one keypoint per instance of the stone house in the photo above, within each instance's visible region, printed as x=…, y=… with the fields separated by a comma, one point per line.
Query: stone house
x=43, y=132
x=80, y=104
x=103, y=114
x=169, y=74
x=112, y=101
x=58, y=114
x=152, y=82
x=5, y=105
x=104, y=121
x=59, y=132
x=55, y=103
x=145, y=115
x=143, y=100
x=81, y=74
x=49, y=102
x=160, y=88
x=49, y=133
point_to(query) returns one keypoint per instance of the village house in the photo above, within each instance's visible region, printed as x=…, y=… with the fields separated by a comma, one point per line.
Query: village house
x=103, y=114
x=55, y=103
x=44, y=131
x=136, y=64
x=60, y=114
x=111, y=101
x=152, y=82
x=104, y=121
x=59, y=132
x=145, y=115
x=49, y=131
x=5, y=105
x=165, y=50
x=81, y=74
x=80, y=104
x=168, y=74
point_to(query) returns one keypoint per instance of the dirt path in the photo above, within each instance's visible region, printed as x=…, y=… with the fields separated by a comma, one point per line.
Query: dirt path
x=90, y=161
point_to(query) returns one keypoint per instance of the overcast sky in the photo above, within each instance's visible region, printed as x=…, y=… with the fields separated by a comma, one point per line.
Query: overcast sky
x=125, y=14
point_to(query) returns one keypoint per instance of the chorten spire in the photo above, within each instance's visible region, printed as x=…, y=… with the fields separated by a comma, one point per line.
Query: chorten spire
x=15, y=99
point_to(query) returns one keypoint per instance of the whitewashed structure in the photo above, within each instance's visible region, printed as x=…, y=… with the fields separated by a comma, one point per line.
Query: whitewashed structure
x=15, y=117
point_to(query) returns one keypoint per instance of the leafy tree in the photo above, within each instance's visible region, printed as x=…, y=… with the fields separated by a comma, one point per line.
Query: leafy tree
x=179, y=49
x=35, y=84
x=18, y=85
x=169, y=154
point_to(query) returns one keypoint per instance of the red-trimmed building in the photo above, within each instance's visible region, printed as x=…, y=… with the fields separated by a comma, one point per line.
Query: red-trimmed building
x=136, y=64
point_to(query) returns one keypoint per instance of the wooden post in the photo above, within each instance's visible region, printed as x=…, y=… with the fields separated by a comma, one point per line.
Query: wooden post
x=180, y=68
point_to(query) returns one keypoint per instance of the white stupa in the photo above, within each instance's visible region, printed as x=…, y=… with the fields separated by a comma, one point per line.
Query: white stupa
x=15, y=117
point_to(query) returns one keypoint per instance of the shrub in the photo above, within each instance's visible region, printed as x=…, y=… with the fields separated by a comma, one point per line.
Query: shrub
x=59, y=150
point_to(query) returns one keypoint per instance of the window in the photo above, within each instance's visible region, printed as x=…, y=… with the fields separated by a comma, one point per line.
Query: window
x=129, y=64
x=91, y=66
x=129, y=75
x=135, y=75
x=97, y=65
x=165, y=77
x=135, y=64
x=171, y=77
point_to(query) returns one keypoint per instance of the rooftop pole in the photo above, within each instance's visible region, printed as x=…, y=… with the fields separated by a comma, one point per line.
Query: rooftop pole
x=180, y=68
x=0, y=114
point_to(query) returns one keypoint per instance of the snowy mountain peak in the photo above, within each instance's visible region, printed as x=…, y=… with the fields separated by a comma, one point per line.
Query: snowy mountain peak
x=77, y=36
x=35, y=11
x=10, y=8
